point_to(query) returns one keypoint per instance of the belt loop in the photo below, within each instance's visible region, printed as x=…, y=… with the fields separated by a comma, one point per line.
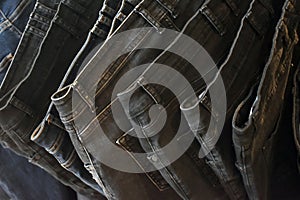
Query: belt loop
x=212, y=18
x=121, y=17
x=148, y=17
x=99, y=32
x=105, y=20
x=170, y=6
x=108, y=10
x=155, y=15
x=259, y=18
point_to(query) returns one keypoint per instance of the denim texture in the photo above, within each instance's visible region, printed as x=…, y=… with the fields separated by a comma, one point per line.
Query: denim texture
x=26, y=105
x=51, y=133
x=285, y=177
x=241, y=69
x=257, y=119
x=296, y=111
x=29, y=37
x=126, y=8
x=216, y=36
x=254, y=46
x=22, y=180
x=13, y=19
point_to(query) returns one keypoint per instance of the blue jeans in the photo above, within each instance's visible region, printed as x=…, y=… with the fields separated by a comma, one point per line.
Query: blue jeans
x=14, y=15
x=19, y=179
x=22, y=180
x=53, y=24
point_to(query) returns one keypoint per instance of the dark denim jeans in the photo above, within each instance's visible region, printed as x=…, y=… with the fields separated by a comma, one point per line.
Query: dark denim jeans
x=31, y=78
x=257, y=118
x=51, y=133
x=296, y=112
x=126, y=8
x=13, y=19
x=218, y=25
x=3, y=194
x=241, y=69
x=22, y=180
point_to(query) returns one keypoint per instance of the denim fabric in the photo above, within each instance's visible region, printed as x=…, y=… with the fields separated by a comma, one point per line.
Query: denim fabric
x=215, y=29
x=241, y=69
x=3, y=194
x=296, y=112
x=285, y=177
x=31, y=79
x=13, y=19
x=22, y=180
x=30, y=40
x=51, y=133
x=126, y=8
x=257, y=119
x=296, y=97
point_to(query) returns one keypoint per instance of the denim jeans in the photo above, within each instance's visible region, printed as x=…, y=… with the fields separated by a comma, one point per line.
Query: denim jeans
x=126, y=8
x=241, y=69
x=25, y=181
x=3, y=194
x=51, y=133
x=257, y=118
x=31, y=79
x=13, y=19
x=296, y=112
x=285, y=177
x=22, y=180
x=219, y=24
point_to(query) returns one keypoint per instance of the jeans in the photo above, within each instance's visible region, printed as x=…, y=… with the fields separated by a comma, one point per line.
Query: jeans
x=257, y=118
x=25, y=181
x=125, y=10
x=13, y=19
x=26, y=105
x=241, y=69
x=51, y=133
x=285, y=177
x=22, y=180
x=296, y=111
x=219, y=22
